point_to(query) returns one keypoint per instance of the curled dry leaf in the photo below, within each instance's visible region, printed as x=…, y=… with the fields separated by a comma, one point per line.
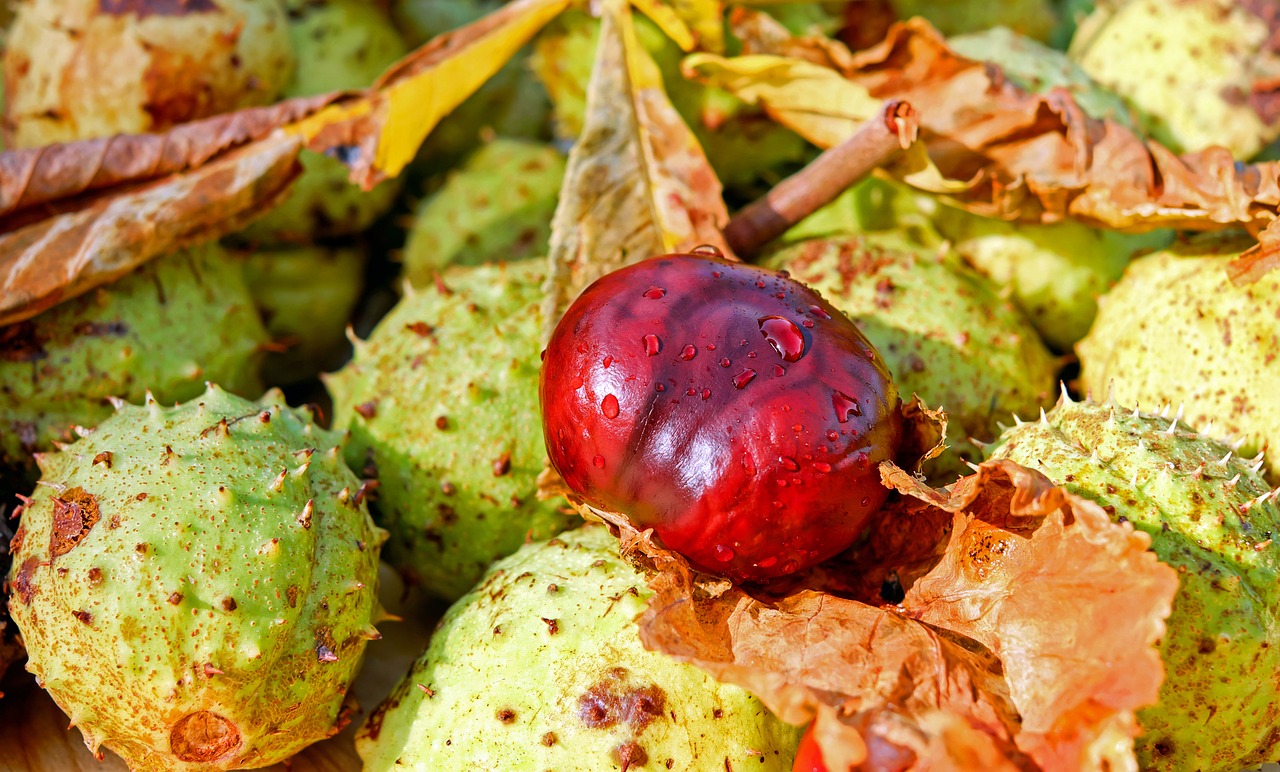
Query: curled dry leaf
x=1026, y=157
x=637, y=182
x=689, y=23
x=47, y=174
x=107, y=236
x=1001, y=652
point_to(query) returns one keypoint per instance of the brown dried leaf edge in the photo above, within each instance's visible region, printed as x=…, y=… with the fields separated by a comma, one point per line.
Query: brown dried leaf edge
x=1024, y=637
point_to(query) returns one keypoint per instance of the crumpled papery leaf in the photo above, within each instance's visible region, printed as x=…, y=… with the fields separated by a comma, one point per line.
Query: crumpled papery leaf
x=46, y=174
x=637, y=183
x=1041, y=158
x=377, y=135
x=60, y=257
x=1004, y=652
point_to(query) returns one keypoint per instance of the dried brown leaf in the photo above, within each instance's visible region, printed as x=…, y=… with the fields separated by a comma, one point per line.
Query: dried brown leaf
x=1003, y=653
x=1039, y=157
x=637, y=183
x=107, y=236
x=47, y=174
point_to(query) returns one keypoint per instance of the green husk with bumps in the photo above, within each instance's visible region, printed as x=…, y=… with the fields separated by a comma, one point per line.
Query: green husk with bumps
x=1212, y=517
x=442, y=405
x=1197, y=72
x=339, y=44
x=496, y=207
x=541, y=667
x=1177, y=331
x=305, y=296
x=169, y=326
x=196, y=585
x=942, y=329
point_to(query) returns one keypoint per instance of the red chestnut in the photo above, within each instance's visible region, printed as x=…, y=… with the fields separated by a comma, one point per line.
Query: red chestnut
x=809, y=755
x=728, y=407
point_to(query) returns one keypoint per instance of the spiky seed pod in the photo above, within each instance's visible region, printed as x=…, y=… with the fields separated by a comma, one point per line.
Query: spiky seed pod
x=179, y=320
x=1196, y=71
x=496, y=207
x=306, y=296
x=76, y=69
x=944, y=332
x=185, y=603
x=1054, y=273
x=541, y=667
x=442, y=406
x=339, y=44
x=1176, y=331
x=1210, y=516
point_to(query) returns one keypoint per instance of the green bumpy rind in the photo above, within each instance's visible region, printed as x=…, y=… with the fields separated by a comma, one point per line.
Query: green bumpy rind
x=1177, y=331
x=1189, y=68
x=942, y=329
x=541, y=667
x=442, y=406
x=1055, y=273
x=497, y=206
x=306, y=296
x=339, y=44
x=1212, y=518
x=196, y=584
x=180, y=320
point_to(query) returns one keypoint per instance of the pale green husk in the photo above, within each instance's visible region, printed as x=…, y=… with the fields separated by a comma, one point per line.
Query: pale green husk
x=495, y=207
x=1177, y=331
x=1212, y=517
x=178, y=321
x=196, y=584
x=546, y=646
x=442, y=406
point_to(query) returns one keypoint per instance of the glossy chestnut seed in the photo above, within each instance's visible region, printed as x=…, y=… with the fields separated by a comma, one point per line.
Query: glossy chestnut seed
x=728, y=407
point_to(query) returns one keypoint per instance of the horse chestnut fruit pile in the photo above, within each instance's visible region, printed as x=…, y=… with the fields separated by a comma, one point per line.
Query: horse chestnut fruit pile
x=728, y=407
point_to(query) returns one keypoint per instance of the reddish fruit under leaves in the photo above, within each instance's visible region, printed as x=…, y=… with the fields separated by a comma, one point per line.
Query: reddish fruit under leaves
x=728, y=407
x=809, y=755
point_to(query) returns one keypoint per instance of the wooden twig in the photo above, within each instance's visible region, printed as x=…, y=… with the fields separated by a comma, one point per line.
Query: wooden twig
x=819, y=183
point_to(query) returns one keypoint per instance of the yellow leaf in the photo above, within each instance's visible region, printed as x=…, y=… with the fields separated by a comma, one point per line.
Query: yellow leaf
x=816, y=102
x=637, y=183
x=383, y=130
x=690, y=23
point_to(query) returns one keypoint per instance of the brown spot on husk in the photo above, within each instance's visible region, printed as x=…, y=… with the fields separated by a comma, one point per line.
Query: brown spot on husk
x=630, y=755
x=18, y=538
x=75, y=512
x=611, y=701
x=23, y=589
x=203, y=737
x=20, y=343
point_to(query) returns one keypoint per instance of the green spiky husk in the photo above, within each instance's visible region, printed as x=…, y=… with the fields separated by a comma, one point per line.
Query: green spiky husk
x=442, y=405
x=942, y=329
x=1177, y=331
x=178, y=321
x=339, y=44
x=496, y=207
x=1210, y=516
x=541, y=667
x=306, y=296
x=196, y=584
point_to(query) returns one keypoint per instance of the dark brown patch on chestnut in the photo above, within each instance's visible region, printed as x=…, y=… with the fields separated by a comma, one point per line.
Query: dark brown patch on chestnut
x=103, y=458
x=83, y=616
x=203, y=737
x=75, y=512
x=20, y=343
x=367, y=409
x=549, y=739
x=18, y=538
x=506, y=715
x=23, y=588
x=229, y=604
